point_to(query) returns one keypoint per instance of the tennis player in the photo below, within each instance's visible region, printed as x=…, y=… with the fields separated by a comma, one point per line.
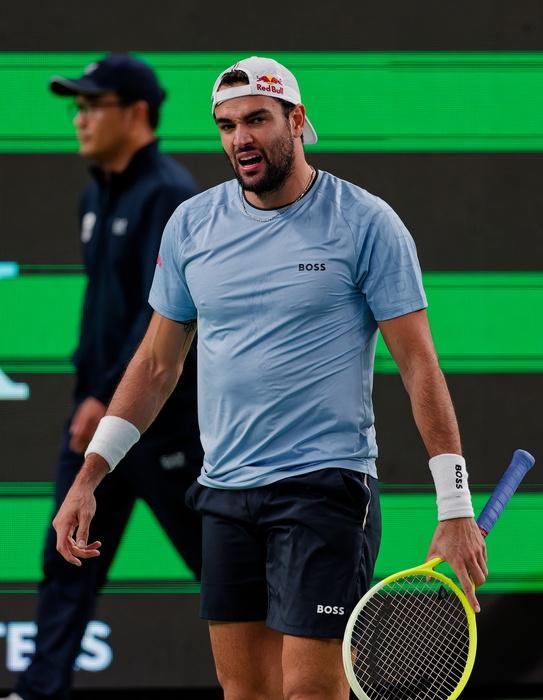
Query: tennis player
x=289, y=273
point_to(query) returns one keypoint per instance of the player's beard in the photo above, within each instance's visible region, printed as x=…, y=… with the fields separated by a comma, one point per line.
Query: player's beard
x=279, y=166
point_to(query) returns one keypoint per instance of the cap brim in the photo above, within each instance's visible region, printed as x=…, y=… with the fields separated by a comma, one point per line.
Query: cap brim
x=310, y=135
x=82, y=86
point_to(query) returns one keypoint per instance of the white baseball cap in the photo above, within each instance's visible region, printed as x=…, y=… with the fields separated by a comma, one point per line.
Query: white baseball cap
x=266, y=77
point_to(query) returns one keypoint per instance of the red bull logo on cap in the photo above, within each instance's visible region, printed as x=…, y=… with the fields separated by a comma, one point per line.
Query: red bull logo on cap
x=269, y=83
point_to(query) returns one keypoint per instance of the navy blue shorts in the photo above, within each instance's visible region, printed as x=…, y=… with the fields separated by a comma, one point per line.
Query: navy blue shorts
x=298, y=553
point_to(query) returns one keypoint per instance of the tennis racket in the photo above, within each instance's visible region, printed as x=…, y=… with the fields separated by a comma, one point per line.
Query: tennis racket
x=413, y=635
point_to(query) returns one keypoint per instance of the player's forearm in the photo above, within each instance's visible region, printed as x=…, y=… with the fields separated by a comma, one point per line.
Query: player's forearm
x=149, y=379
x=146, y=385
x=435, y=418
x=144, y=388
x=153, y=372
x=432, y=407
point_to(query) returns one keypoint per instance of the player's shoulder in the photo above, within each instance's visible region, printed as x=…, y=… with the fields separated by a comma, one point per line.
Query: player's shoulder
x=206, y=202
x=198, y=209
x=351, y=201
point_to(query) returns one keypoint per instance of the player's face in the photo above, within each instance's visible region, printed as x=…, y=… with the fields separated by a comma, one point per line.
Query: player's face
x=101, y=125
x=257, y=138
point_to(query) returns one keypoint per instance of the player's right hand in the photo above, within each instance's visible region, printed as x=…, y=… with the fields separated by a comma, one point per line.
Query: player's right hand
x=72, y=524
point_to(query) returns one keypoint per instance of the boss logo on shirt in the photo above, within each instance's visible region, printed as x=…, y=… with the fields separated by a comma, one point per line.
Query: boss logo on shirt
x=310, y=267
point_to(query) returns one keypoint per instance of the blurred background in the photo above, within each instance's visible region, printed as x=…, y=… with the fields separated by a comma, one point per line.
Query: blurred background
x=437, y=107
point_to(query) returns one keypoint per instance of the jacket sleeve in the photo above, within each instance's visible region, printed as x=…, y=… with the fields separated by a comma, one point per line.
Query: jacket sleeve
x=161, y=206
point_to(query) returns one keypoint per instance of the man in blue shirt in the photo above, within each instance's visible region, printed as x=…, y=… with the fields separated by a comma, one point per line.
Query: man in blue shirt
x=134, y=190
x=288, y=273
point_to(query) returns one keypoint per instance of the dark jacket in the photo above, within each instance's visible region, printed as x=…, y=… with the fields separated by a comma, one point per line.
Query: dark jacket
x=122, y=220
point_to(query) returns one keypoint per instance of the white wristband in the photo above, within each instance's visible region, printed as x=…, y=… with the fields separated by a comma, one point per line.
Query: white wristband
x=113, y=438
x=452, y=490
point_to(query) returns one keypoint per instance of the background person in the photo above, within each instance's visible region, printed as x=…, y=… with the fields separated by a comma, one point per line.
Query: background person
x=133, y=192
x=289, y=273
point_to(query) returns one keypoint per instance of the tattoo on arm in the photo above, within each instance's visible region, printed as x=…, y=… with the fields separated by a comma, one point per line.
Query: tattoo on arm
x=189, y=326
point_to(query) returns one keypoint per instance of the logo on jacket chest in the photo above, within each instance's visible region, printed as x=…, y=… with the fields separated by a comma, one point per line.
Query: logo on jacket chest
x=87, y=226
x=119, y=226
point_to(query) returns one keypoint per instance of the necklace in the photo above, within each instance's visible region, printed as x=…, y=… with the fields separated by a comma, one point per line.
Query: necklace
x=280, y=211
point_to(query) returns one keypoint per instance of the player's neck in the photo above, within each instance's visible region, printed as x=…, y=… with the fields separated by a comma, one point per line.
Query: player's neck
x=294, y=187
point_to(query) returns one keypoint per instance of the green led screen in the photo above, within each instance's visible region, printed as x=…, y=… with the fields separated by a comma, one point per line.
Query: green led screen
x=469, y=313
x=147, y=555
x=381, y=101
x=441, y=133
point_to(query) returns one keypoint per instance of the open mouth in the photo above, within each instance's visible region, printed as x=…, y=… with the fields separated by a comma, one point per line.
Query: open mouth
x=249, y=162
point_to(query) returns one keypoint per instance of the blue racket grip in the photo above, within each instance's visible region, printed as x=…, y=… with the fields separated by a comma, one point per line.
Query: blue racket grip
x=521, y=463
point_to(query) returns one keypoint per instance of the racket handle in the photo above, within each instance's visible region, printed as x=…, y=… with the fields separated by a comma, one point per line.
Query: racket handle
x=521, y=463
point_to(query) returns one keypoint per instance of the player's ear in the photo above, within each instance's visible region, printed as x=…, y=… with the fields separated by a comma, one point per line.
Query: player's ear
x=297, y=120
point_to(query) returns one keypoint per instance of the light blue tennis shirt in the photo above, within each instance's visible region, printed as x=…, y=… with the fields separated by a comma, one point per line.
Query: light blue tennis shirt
x=287, y=302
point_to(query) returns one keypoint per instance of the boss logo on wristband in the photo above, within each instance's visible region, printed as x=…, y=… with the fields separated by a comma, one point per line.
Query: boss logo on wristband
x=452, y=490
x=459, y=479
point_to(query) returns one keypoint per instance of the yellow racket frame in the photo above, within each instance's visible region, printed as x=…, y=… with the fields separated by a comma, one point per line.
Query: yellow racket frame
x=427, y=568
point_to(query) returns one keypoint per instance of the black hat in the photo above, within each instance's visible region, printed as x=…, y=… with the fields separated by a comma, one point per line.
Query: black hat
x=128, y=77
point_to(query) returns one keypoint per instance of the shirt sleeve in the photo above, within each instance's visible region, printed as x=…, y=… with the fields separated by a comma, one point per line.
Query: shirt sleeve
x=170, y=295
x=388, y=271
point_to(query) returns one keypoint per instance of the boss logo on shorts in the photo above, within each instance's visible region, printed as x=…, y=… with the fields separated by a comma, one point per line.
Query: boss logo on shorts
x=311, y=267
x=330, y=610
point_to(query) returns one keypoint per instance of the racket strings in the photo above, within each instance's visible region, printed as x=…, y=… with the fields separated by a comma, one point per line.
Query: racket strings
x=412, y=683
x=418, y=627
x=411, y=640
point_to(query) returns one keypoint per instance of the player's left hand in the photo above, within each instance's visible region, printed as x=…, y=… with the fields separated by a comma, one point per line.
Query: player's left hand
x=459, y=542
x=84, y=423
